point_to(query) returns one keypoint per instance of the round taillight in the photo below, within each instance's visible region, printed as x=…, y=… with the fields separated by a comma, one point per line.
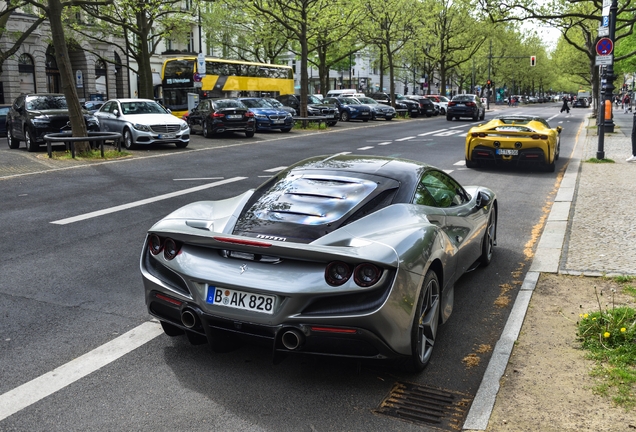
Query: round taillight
x=535, y=136
x=170, y=249
x=154, y=244
x=482, y=135
x=366, y=274
x=337, y=273
x=544, y=137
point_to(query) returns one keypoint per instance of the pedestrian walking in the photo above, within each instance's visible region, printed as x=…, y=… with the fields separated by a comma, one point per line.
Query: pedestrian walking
x=626, y=103
x=565, y=106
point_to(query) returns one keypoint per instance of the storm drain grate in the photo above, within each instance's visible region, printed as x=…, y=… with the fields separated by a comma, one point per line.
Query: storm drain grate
x=426, y=405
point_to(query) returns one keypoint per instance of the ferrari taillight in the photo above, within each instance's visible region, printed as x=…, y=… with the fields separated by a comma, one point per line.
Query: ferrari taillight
x=366, y=274
x=479, y=134
x=154, y=244
x=158, y=244
x=537, y=136
x=337, y=273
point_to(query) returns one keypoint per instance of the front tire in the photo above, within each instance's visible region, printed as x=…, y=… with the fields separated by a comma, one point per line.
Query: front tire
x=207, y=131
x=129, y=143
x=425, y=324
x=31, y=144
x=344, y=116
x=488, y=242
x=13, y=143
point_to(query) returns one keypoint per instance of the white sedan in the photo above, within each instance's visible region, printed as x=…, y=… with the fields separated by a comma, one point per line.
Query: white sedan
x=142, y=122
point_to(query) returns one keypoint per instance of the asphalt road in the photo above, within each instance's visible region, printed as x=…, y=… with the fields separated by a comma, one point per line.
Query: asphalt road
x=70, y=283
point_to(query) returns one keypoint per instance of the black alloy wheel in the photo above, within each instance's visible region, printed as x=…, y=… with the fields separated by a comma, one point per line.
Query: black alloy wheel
x=488, y=242
x=13, y=143
x=31, y=143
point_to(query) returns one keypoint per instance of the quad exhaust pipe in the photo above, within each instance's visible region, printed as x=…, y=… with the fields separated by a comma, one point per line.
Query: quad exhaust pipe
x=292, y=339
x=189, y=318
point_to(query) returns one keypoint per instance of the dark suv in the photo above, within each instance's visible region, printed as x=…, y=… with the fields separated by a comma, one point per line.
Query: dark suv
x=32, y=116
x=315, y=107
x=401, y=102
x=465, y=105
x=427, y=107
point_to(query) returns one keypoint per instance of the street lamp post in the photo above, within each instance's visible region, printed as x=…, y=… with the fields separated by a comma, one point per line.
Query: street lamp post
x=609, y=77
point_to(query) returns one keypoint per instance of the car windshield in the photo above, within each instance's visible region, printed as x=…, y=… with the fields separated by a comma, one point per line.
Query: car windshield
x=229, y=103
x=349, y=101
x=130, y=108
x=369, y=101
x=41, y=103
x=313, y=99
x=274, y=103
x=255, y=103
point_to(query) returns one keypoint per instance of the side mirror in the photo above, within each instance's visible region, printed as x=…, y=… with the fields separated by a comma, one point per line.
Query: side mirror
x=116, y=112
x=169, y=110
x=483, y=200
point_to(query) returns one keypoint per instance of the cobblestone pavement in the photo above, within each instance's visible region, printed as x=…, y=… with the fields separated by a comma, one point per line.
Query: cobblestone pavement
x=602, y=231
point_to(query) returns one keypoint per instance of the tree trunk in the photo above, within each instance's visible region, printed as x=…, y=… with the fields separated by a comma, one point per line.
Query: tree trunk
x=66, y=75
x=146, y=87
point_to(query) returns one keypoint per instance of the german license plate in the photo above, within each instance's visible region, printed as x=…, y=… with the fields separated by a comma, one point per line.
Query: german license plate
x=365, y=113
x=278, y=121
x=234, y=116
x=166, y=136
x=240, y=300
x=507, y=152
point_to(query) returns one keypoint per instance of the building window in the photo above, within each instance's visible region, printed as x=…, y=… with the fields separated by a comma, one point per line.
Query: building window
x=26, y=70
x=191, y=42
x=101, y=79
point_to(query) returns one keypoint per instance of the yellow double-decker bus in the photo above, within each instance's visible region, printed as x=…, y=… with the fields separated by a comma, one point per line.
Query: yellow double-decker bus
x=223, y=78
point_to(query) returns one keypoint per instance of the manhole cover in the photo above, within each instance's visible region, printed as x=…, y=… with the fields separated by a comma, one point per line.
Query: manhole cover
x=420, y=404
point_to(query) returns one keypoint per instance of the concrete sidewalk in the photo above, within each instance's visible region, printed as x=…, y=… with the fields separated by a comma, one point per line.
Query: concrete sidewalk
x=590, y=231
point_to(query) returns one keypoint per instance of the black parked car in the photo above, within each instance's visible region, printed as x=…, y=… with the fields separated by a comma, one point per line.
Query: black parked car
x=214, y=116
x=401, y=102
x=32, y=116
x=4, y=110
x=465, y=105
x=315, y=107
x=427, y=107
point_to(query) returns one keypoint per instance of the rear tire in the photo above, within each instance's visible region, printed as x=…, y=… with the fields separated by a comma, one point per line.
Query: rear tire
x=471, y=164
x=449, y=118
x=425, y=324
x=488, y=242
x=207, y=132
x=249, y=134
x=550, y=167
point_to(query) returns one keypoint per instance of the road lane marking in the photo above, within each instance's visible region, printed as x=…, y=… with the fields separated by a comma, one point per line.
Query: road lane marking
x=461, y=163
x=405, y=138
x=385, y=143
x=432, y=132
x=280, y=168
x=448, y=171
x=144, y=201
x=198, y=179
x=365, y=148
x=37, y=389
x=448, y=133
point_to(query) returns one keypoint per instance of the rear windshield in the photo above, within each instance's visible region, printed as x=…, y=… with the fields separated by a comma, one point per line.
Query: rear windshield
x=229, y=103
x=463, y=98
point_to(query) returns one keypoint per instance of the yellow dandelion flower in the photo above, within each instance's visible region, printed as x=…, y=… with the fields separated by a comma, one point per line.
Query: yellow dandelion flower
x=623, y=329
x=585, y=315
x=580, y=315
x=594, y=319
x=606, y=335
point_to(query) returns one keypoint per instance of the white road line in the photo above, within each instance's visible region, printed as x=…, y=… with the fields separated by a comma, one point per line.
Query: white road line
x=405, y=138
x=448, y=133
x=460, y=163
x=280, y=168
x=31, y=392
x=432, y=132
x=385, y=143
x=198, y=179
x=365, y=148
x=448, y=171
x=144, y=202
x=556, y=115
x=465, y=134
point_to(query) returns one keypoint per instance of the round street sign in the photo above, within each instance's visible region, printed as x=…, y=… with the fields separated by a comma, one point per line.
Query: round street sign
x=604, y=46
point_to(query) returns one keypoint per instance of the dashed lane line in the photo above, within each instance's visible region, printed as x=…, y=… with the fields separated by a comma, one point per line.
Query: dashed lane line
x=37, y=389
x=144, y=201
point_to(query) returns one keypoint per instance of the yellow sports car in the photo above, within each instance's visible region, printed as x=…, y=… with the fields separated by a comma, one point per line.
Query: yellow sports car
x=513, y=140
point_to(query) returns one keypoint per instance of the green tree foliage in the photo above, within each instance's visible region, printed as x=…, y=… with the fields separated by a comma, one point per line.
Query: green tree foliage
x=15, y=39
x=142, y=25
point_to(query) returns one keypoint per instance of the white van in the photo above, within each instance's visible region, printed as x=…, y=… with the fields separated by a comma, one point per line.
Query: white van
x=345, y=93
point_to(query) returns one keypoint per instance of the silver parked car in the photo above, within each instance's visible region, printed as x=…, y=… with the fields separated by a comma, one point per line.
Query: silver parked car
x=142, y=122
x=308, y=263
